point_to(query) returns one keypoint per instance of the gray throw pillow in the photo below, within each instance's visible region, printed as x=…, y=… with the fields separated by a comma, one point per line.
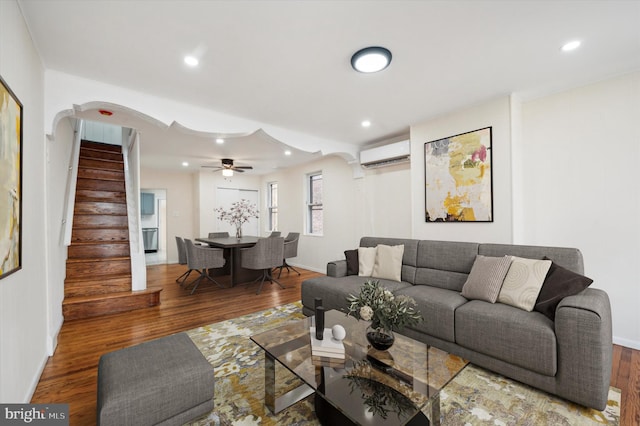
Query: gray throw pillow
x=486, y=278
x=352, y=261
x=558, y=284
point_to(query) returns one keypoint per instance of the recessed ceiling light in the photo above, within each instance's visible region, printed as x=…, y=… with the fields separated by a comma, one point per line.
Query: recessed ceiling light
x=192, y=61
x=287, y=152
x=572, y=45
x=185, y=164
x=371, y=59
x=219, y=141
x=365, y=123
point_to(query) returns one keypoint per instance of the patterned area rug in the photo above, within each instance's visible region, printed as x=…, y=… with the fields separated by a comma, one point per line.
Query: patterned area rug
x=475, y=397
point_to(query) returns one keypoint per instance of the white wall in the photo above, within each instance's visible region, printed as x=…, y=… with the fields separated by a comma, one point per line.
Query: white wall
x=59, y=151
x=496, y=114
x=581, y=151
x=181, y=205
x=23, y=295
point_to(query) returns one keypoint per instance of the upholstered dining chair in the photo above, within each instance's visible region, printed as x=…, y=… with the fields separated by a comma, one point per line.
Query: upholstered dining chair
x=201, y=259
x=265, y=255
x=182, y=260
x=274, y=234
x=290, y=250
x=218, y=235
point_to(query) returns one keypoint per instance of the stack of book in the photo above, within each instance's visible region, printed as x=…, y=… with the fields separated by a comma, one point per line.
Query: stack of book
x=327, y=347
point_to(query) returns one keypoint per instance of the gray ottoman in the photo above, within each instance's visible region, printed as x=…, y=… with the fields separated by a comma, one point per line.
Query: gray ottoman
x=165, y=381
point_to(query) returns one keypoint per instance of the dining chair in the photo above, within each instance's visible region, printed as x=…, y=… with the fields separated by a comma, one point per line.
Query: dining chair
x=290, y=250
x=213, y=235
x=265, y=255
x=203, y=258
x=182, y=260
x=274, y=234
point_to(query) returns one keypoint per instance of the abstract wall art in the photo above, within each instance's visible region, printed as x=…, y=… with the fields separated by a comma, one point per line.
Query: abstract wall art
x=458, y=178
x=10, y=181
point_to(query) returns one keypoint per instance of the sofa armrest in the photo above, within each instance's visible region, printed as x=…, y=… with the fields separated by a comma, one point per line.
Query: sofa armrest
x=337, y=268
x=585, y=347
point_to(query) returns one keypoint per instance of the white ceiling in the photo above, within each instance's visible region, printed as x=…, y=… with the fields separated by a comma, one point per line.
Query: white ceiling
x=287, y=63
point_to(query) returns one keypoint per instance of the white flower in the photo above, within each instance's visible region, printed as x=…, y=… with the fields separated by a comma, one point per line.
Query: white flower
x=366, y=313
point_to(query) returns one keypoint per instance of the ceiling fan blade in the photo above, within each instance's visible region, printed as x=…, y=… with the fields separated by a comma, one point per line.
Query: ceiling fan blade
x=236, y=169
x=243, y=167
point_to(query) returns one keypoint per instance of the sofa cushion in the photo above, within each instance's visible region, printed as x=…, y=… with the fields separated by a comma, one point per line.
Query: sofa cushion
x=334, y=292
x=445, y=264
x=486, y=278
x=569, y=258
x=559, y=283
x=366, y=260
x=523, y=282
x=388, y=264
x=525, y=339
x=437, y=307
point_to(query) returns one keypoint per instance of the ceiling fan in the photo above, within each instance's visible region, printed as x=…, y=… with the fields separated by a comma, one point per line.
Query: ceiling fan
x=228, y=168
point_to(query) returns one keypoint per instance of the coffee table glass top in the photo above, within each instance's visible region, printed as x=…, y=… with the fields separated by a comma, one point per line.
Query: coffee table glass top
x=386, y=387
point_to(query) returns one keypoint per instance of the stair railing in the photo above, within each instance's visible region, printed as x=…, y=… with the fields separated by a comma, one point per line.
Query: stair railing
x=131, y=154
x=72, y=180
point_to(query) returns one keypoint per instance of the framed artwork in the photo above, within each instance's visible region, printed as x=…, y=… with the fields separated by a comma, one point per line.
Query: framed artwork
x=458, y=178
x=10, y=181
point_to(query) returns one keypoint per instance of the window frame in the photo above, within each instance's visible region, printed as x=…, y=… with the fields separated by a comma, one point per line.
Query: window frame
x=272, y=210
x=313, y=205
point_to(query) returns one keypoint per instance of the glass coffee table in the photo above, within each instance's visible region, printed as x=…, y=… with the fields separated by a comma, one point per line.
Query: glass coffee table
x=400, y=386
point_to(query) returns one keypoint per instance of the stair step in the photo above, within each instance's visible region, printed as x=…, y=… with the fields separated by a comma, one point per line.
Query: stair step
x=106, y=284
x=86, y=152
x=93, y=163
x=87, y=269
x=88, y=221
x=98, y=249
x=111, y=303
x=101, y=146
x=100, y=208
x=100, y=185
x=106, y=235
x=85, y=173
x=105, y=196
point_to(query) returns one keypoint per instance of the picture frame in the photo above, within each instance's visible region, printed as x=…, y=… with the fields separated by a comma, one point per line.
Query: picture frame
x=459, y=178
x=11, y=120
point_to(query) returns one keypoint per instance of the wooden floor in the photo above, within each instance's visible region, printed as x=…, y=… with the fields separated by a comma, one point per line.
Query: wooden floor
x=70, y=375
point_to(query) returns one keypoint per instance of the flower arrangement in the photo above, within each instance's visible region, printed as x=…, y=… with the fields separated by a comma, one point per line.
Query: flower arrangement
x=239, y=213
x=377, y=304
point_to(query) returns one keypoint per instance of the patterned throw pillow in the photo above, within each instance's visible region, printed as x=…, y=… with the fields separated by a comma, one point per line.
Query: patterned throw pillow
x=523, y=282
x=486, y=277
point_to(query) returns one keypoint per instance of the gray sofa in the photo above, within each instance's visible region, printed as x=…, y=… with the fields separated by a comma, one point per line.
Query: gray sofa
x=569, y=357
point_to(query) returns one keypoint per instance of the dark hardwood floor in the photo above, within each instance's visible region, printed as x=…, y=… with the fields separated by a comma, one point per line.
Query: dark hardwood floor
x=70, y=375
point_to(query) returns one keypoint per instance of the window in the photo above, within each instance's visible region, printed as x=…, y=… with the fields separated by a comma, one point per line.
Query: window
x=272, y=205
x=314, y=206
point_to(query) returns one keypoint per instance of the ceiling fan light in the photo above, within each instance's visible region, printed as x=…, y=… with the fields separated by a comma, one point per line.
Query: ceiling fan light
x=227, y=172
x=371, y=59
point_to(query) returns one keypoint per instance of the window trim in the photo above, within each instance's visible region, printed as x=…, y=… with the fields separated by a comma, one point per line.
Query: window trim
x=271, y=207
x=311, y=206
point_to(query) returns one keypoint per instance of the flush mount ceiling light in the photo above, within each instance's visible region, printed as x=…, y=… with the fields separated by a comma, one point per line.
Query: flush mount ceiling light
x=185, y=164
x=572, y=45
x=192, y=61
x=219, y=141
x=365, y=123
x=371, y=59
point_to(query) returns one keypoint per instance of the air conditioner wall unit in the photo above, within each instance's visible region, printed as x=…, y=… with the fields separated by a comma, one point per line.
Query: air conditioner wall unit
x=386, y=155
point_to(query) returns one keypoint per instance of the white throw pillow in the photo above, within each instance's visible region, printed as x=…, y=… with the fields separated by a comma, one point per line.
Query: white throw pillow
x=388, y=264
x=523, y=282
x=366, y=260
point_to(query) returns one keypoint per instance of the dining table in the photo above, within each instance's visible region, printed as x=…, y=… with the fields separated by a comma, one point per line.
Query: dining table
x=233, y=267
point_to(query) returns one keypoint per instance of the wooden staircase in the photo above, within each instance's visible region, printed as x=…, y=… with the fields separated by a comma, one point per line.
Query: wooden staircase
x=98, y=280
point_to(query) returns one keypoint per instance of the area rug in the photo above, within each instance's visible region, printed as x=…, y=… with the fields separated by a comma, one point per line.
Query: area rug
x=475, y=397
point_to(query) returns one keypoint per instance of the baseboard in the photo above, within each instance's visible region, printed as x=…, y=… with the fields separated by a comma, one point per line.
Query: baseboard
x=308, y=268
x=35, y=380
x=628, y=343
